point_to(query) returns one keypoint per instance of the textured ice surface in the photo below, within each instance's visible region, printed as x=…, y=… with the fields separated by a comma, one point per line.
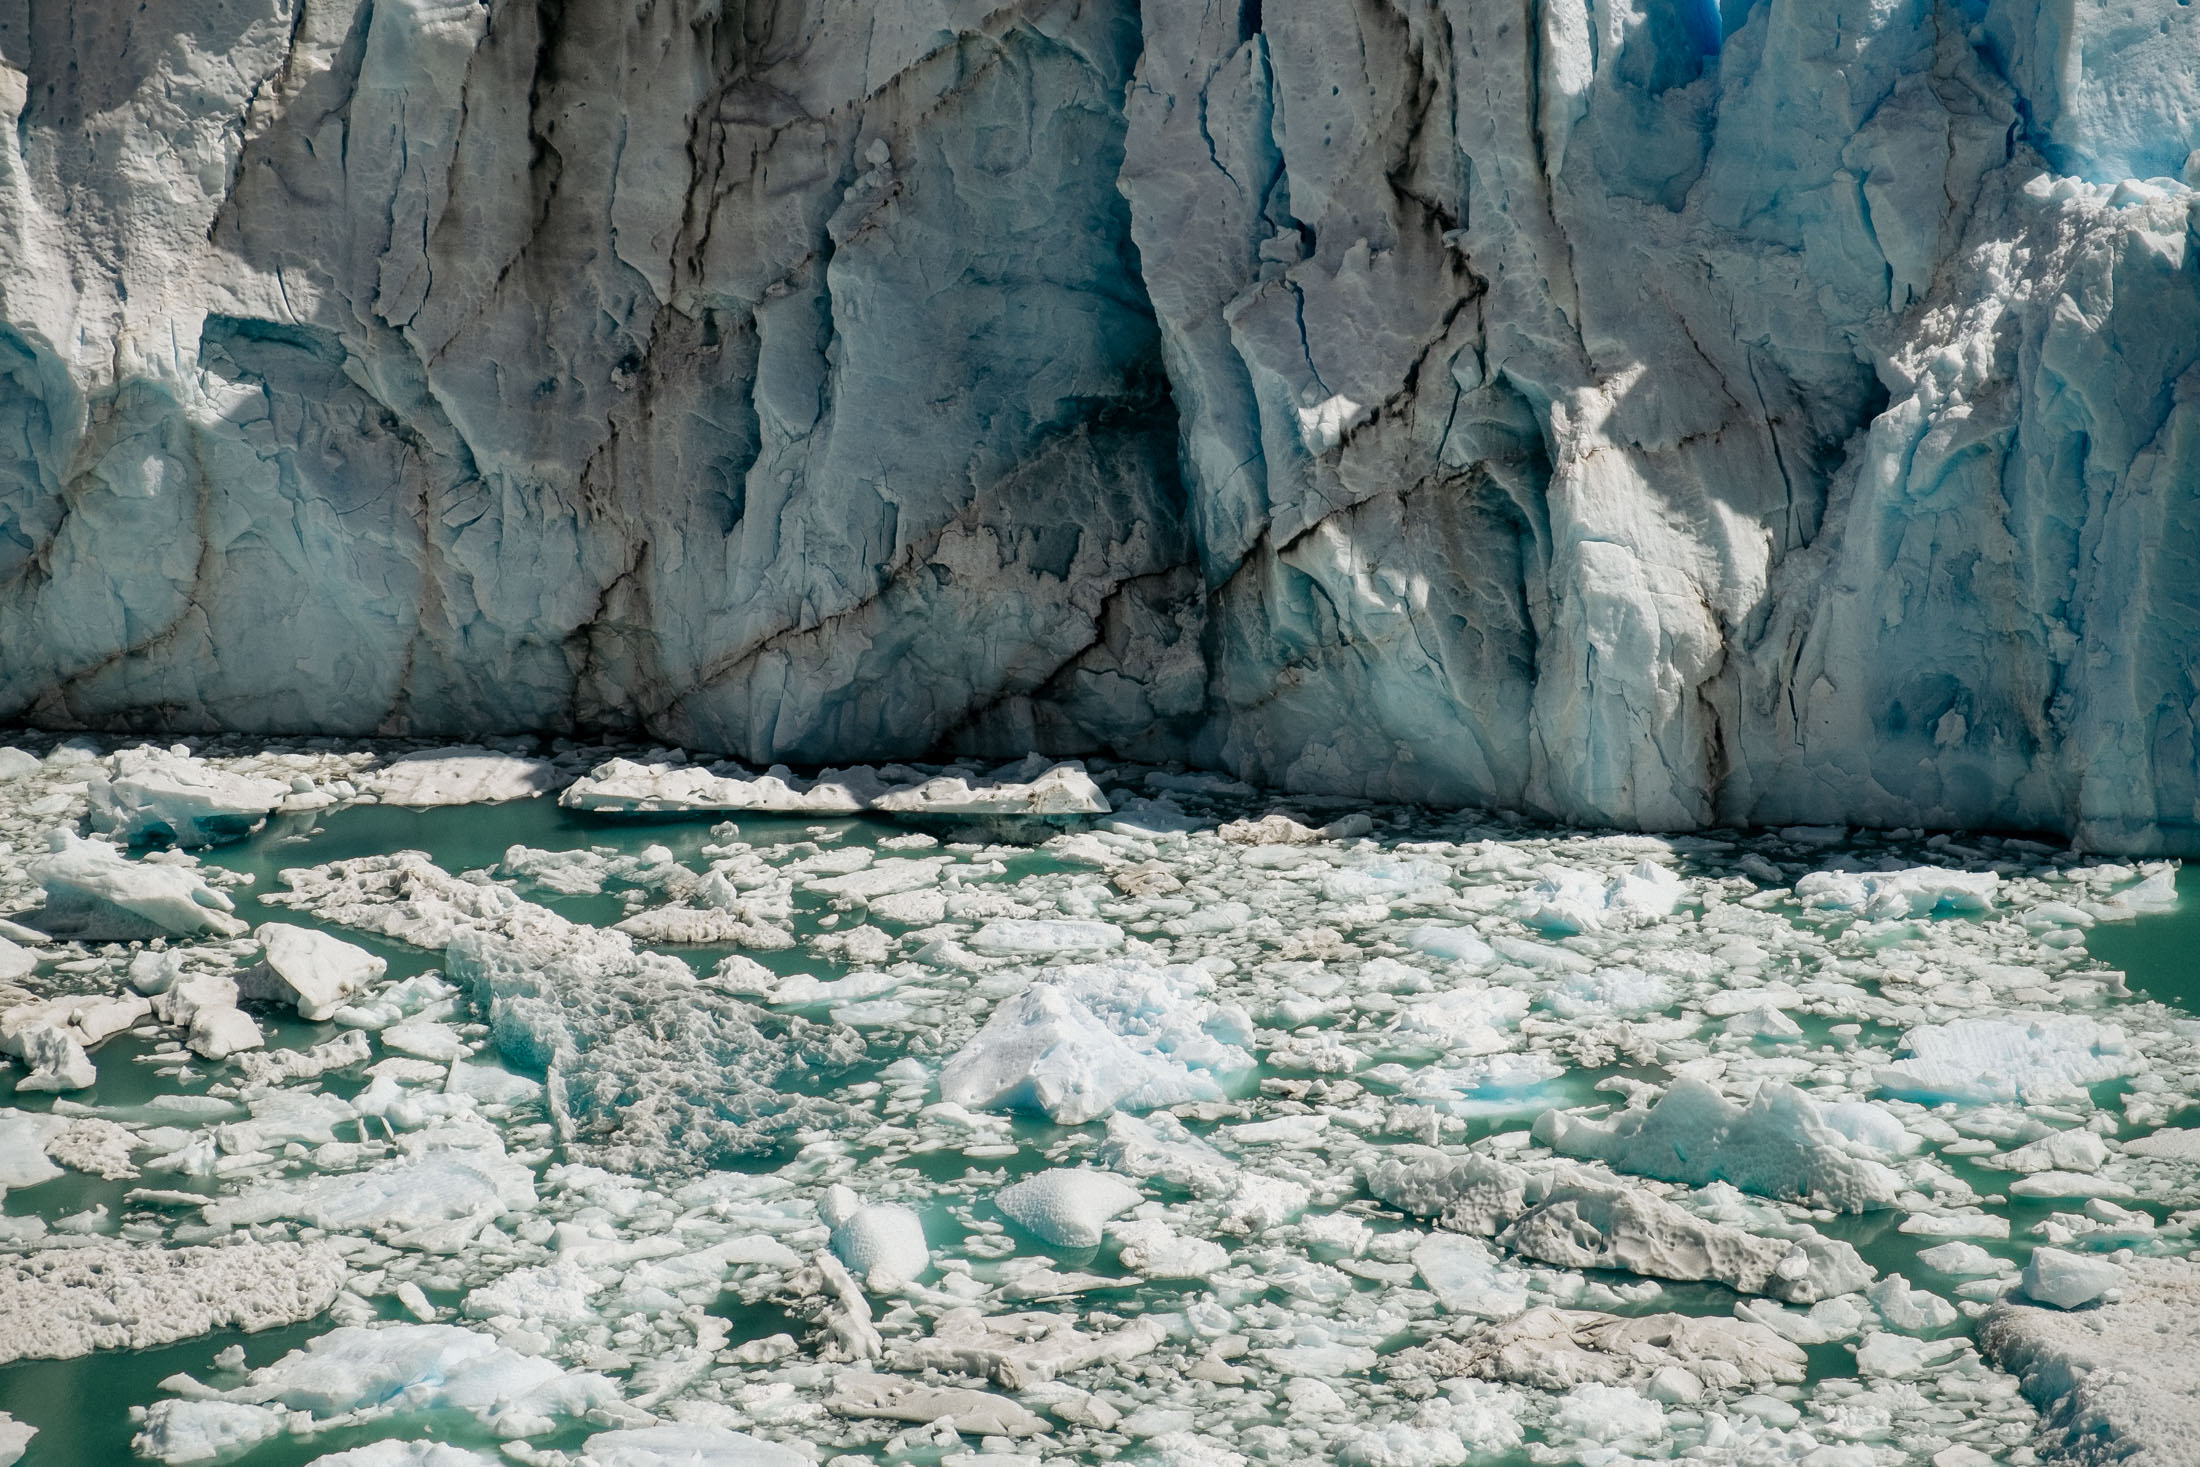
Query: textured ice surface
x=2036, y=1057
x=1696, y=412
x=467, y=775
x=92, y=892
x=1777, y=1145
x=1069, y=1207
x=1088, y=1039
x=2108, y=1380
x=73, y=1301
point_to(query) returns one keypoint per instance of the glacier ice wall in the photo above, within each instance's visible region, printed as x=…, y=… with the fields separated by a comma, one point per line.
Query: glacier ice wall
x=1655, y=412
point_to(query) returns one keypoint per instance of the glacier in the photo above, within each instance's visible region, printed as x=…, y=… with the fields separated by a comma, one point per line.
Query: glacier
x=1652, y=413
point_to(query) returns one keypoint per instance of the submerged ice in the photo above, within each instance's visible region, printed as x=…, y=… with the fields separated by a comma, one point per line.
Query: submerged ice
x=1195, y=1129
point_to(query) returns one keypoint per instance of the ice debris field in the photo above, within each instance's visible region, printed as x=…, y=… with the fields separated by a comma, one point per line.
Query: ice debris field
x=373, y=1106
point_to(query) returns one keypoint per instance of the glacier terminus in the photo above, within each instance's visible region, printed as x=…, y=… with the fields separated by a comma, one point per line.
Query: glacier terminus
x=1650, y=413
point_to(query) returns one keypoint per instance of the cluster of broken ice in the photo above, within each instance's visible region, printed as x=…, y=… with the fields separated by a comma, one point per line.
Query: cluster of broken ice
x=1033, y=787
x=1199, y=1131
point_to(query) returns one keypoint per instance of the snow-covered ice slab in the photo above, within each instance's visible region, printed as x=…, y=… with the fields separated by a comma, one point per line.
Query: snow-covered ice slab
x=2118, y=1378
x=627, y=787
x=147, y=794
x=454, y=1182
x=59, y=1304
x=1035, y=788
x=95, y=892
x=2033, y=1057
x=463, y=775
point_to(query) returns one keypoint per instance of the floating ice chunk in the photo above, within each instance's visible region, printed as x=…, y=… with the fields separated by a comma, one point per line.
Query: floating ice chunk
x=217, y=1033
x=554, y=1294
x=15, y=1436
x=361, y=1373
x=1909, y=1310
x=1467, y=1194
x=1564, y=903
x=435, y=1199
x=462, y=775
x=2115, y=1373
x=651, y=1064
x=1401, y=1445
x=881, y=1239
x=1609, y=992
x=94, y=893
x=1463, y=1019
x=1567, y=902
x=1540, y=956
x=1021, y=1350
x=426, y=1039
x=185, y=1432
x=1068, y=1206
x=1012, y=935
x=54, y=1032
x=1960, y=1260
x=1880, y=896
x=1086, y=1040
x=866, y=1396
x=1459, y=944
x=1034, y=786
x=2034, y=1058
x=1955, y=1225
x=2167, y=1144
x=686, y=1446
x=1779, y=1145
x=23, y=1139
x=622, y=786
x=63, y=1303
x=407, y=1454
x=15, y=961
x=312, y=971
x=1383, y=879
x=1269, y=830
x=1588, y=1225
x=1499, y=1084
x=2064, y=1151
x=1607, y=1414
x=16, y=763
x=1466, y=1277
x=1562, y=1349
x=2068, y=1280
x=1762, y=1023
x=568, y=873
x=56, y=1061
x=1153, y=1248
x=1890, y=1356
x=894, y=876
x=148, y=794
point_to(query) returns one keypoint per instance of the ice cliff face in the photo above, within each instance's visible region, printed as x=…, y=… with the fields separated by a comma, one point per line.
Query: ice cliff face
x=1657, y=412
